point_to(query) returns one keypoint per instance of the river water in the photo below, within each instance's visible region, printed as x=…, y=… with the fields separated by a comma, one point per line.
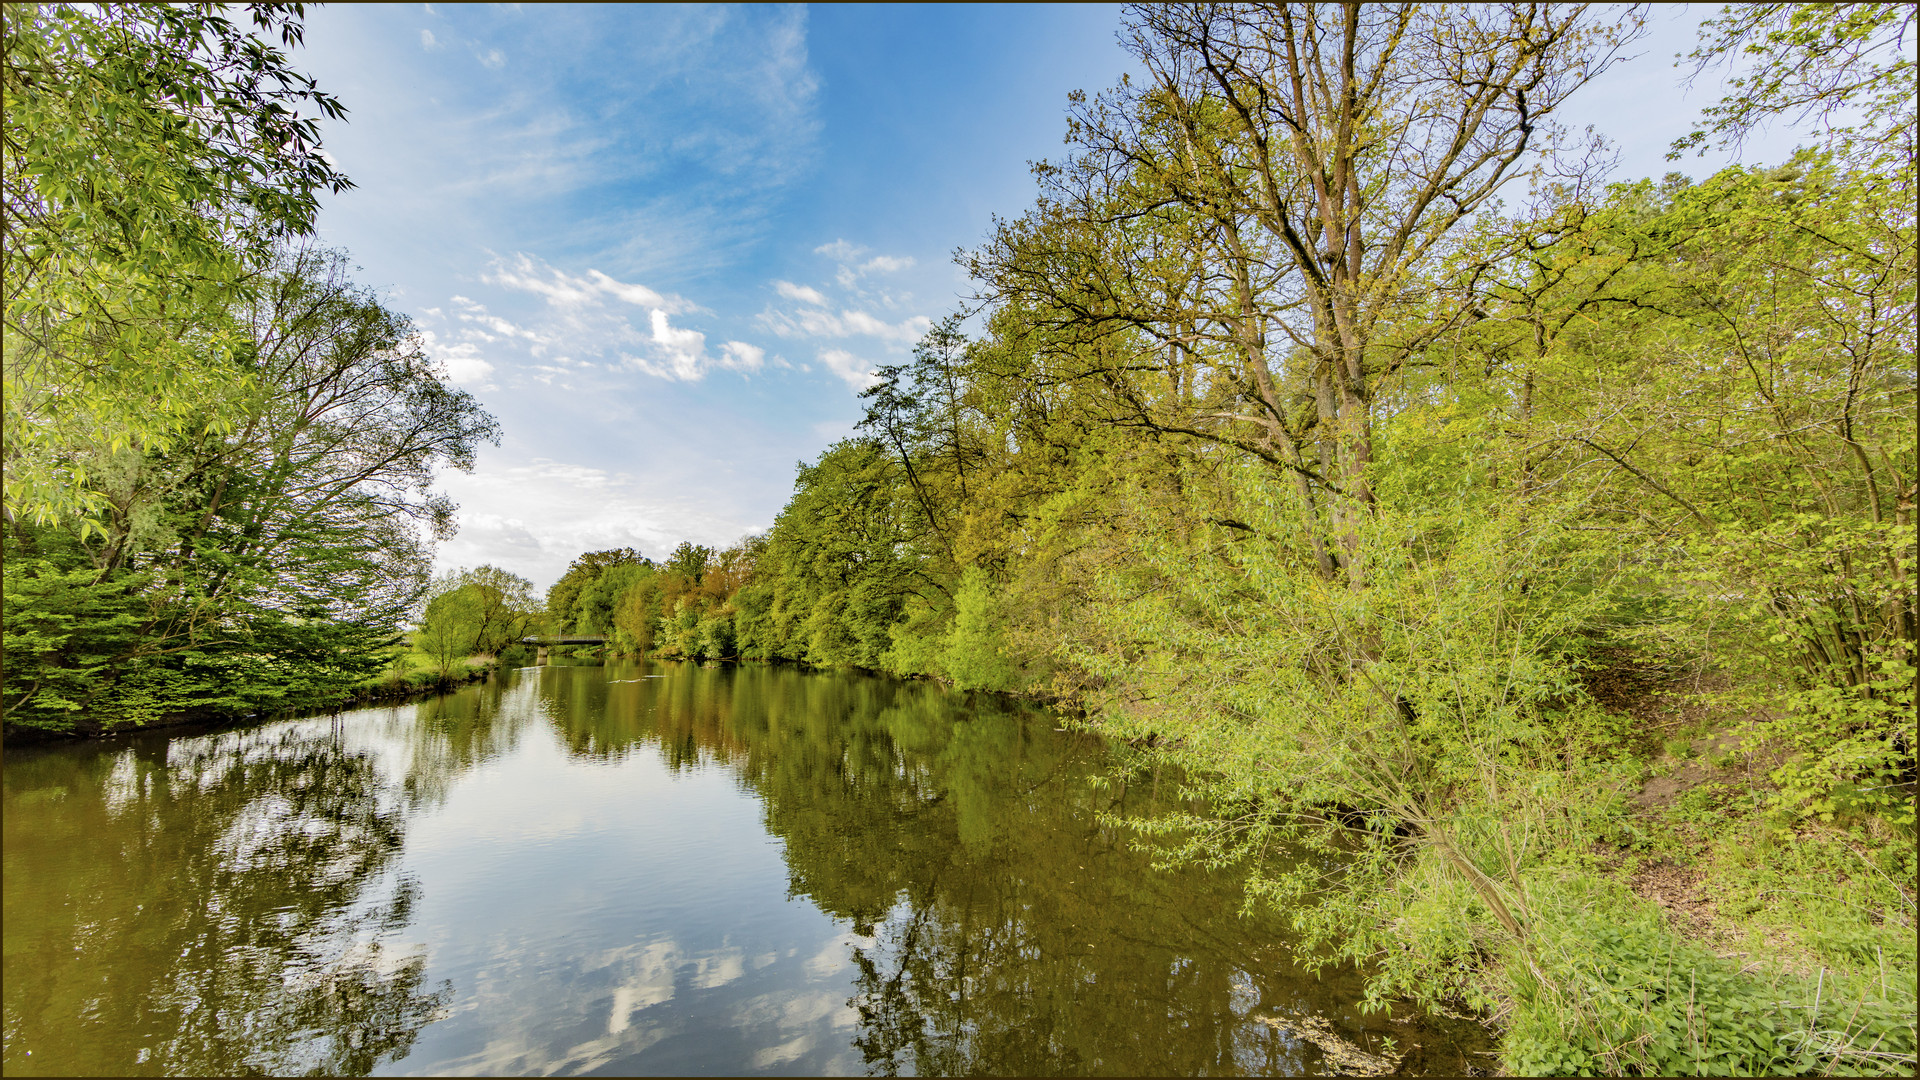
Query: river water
x=640, y=868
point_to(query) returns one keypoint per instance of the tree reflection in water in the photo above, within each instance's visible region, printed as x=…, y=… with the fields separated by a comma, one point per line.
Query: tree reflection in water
x=447, y=736
x=227, y=904
x=1008, y=930
x=209, y=906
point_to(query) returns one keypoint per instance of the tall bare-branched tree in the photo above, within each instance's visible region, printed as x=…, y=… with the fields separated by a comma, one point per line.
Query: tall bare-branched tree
x=1250, y=223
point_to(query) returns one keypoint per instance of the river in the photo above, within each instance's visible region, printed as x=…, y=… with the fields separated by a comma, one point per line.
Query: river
x=641, y=868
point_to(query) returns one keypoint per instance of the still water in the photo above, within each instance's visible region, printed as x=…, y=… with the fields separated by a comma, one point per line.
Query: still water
x=642, y=868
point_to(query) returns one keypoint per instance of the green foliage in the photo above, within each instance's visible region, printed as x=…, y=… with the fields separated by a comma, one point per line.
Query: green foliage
x=566, y=597
x=261, y=568
x=506, y=607
x=66, y=628
x=154, y=154
x=451, y=627
x=689, y=560
x=217, y=448
x=1618, y=994
x=1811, y=61
x=1340, y=503
x=88, y=649
x=975, y=655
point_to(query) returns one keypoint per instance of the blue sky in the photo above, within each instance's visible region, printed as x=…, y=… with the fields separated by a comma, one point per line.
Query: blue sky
x=664, y=245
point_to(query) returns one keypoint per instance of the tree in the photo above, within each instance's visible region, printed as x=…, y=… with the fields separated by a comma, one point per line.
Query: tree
x=154, y=154
x=636, y=618
x=1741, y=418
x=1252, y=221
x=284, y=550
x=839, y=559
x=564, y=596
x=1844, y=65
x=505, y=603
x=689, y=561
x=451, y=626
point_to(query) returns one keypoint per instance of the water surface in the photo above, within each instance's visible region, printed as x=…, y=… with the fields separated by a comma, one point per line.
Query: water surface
x=643, y=868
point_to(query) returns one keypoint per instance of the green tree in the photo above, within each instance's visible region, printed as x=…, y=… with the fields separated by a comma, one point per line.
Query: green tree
x=565, y=595
x=1846, y=66
x=689, y=561
x=975, y=650
x=153, y=156
x=636, y=617
x=451, y=626
x=266, y=566
x=1238, y=239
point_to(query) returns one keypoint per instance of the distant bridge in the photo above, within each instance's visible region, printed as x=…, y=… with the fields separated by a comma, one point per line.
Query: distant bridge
x=550, y=641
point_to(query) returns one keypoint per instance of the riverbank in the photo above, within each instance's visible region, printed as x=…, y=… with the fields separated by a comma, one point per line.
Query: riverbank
x=1676, y=910
x=1671, y=909
x=388, y=690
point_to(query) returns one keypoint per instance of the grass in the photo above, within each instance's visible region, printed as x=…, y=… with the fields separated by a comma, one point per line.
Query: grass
x=408, y=669
x=1716, y=930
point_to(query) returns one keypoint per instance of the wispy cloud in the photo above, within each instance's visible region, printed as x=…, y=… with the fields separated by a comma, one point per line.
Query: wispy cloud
x=840, y=251
x=589, y=312
x=460, y=359
x=816, y=315
x=527, y=274
x=483, y=325
x=428, y=41
x=854, y=265
x=815, y=322
x=740, y=356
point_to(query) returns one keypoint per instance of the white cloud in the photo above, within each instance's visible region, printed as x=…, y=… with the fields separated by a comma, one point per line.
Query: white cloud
x=840, y=251
x=849, y=367
x=477, y=315
x=528, y=274
x=906, y=331
x=536, y=517
x=427, y=40
x=740, y=356
x=812, y=322
x=507, y=541
x=582, y=318
x=685, y=350
x=814, y=314
x=493, y=58
x=580, y=476
x=638, y=295
x=802, y=293
x=852, y=270
x=460, y=359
